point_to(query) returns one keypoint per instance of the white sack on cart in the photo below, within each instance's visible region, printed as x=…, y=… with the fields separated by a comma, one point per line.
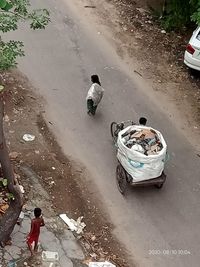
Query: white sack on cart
x=140, y=166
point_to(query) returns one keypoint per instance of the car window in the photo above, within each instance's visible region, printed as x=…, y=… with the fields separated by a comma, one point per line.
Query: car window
x=198, y=36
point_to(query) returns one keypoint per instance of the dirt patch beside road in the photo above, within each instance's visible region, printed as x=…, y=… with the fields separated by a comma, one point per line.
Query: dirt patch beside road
x=61, y=177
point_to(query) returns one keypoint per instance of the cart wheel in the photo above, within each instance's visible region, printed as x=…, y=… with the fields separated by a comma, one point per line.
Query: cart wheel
x=113, y=130
x=159, y=186
x=121, y=179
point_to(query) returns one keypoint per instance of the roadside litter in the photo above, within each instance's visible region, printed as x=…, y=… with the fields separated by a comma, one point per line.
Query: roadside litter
x=6, y=118
x=21, y=217
x=21, y=189
x=90, y=6
x=28, y=137
x=73, y=225
x=1, y=88
x=3, y=207
x=14, y=155
x=101, y=264
x=12, y=264
x=50, y=256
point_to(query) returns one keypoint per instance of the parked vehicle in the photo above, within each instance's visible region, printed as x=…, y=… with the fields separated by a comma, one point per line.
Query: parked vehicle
x=192, y=53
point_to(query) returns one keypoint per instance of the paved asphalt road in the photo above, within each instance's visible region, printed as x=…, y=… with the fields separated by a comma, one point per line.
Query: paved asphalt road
x=59, y=62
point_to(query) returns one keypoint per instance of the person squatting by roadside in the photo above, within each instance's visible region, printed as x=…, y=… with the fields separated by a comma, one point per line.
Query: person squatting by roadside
x=34, y=234
x=94, y=95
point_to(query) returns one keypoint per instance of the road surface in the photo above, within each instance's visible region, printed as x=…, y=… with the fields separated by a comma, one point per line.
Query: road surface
x=59, y=61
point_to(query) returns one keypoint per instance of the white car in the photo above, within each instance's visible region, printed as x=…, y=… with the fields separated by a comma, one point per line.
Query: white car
x=192, y=53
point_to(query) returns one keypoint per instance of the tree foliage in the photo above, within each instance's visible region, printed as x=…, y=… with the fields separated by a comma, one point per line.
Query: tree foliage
x=181, y=13
x=196, y=11
x=12, y=12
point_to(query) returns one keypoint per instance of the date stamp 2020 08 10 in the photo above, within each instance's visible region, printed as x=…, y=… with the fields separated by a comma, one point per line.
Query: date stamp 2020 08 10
x=169, y=252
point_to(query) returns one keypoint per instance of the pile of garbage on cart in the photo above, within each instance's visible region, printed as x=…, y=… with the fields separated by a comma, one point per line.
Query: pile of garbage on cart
x=142, y=152
x=145, y=141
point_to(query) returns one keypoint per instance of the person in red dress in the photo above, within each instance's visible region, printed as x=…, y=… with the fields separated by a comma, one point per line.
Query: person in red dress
x=33, y=236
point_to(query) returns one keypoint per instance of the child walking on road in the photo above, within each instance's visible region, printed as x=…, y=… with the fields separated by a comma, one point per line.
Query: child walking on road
x=33, y=236
x=94, y=95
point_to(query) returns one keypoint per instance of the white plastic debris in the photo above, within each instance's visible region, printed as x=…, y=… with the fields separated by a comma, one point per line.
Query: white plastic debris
x=6, y=118
x=142, y=10
x=28, y=137
x=12, y=263
x=20, y=219
x=1, y=89
x=73, y=225
x=21, y=189
x=13, y=155
x=50, y=256
x=163, y=31
x=101, y=264
x=21, y=215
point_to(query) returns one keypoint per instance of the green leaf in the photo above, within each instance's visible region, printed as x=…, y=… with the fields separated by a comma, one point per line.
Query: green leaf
x=10, y=196
x=1, y=88
x=21, y=7
x=8, y=6
x=3, y=3
x=5, y=182
x=39, y=19
x=10, y=20
x=9, y=51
